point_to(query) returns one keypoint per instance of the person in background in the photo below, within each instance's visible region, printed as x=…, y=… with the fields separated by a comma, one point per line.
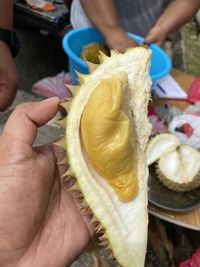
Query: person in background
x=41, y=224
x=9, y=80
x=152, y=19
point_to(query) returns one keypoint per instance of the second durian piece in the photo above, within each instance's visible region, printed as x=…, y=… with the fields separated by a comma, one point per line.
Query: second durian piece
x=178, y=165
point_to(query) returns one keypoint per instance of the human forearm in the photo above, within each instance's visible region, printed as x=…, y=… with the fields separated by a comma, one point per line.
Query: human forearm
x=102, y=13
x=177, y=14
x=6, y=14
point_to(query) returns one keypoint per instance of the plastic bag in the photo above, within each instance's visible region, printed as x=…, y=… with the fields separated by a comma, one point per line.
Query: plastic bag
x=54, y=86
x=194, y=92
x=193, y=262
x=156, y=125
x=187, y=128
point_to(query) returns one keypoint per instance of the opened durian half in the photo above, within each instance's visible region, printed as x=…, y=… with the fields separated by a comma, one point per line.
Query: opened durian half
x=178, y=165
x=107, y=133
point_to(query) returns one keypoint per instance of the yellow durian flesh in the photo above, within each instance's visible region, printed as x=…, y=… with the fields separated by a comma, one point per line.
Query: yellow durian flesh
x=125, y=223
x=108, y=135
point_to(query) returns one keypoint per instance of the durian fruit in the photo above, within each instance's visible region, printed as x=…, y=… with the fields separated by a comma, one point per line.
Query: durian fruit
x=179, y=170
x=177, y=165
x=160, y=145
x=91, y=51
x=107, y=132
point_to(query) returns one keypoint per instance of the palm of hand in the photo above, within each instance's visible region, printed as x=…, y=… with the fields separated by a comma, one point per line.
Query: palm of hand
x=40, y=224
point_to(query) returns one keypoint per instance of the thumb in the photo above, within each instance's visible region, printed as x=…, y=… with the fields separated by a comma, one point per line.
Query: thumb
x=26, y=118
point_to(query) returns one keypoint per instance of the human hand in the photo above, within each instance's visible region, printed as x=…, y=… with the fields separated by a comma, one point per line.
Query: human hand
x=118, y=39
x=157, y=35
x=8, y=77
x=40, y=222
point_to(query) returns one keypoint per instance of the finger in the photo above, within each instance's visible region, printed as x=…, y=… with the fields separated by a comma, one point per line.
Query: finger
x=26, y=118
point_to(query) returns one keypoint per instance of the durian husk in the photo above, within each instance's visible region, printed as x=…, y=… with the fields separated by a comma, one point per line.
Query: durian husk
x=124, y=223
x=180, y=186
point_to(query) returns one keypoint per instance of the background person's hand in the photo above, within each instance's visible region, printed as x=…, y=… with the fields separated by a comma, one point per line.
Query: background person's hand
x=118, y=39
x=40, y=222
x=156, y=35
x=8, y=77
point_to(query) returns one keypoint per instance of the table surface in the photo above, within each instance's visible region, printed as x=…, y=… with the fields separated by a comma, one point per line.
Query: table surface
x=190, y=219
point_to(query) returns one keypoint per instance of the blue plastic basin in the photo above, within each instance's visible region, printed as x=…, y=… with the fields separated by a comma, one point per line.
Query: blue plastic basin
x=75, y=40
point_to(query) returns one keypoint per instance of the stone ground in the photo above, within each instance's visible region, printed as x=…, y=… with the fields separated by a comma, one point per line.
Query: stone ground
x=42, y=56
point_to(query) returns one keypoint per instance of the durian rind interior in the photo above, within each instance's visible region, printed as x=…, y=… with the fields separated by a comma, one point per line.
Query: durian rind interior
x=125, y=223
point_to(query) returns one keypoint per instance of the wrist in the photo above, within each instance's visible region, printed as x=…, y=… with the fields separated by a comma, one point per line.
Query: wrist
x=113, y=31
x=163, y=26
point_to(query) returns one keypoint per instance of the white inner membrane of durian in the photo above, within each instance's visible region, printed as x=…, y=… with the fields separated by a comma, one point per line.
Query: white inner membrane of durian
x=180, y=166
x=161, y=145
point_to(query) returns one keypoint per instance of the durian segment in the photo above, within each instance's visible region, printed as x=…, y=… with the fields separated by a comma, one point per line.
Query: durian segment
x=125, y=223
x=160, y=145
x=180, y=170
x=107, y=131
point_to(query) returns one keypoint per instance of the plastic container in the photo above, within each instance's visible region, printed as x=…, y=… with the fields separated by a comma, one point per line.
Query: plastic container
x=75, y=40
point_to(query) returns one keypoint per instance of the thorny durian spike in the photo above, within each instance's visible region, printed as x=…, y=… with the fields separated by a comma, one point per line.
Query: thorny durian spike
x=102, y=57
x=60, y=142
x=114, y=52
x=63, y=161
x=91, y=66
x=98, y=262
x=82, y=78
x=67, y=174
x=66, y=105
x=74, y=89
x=74, y=187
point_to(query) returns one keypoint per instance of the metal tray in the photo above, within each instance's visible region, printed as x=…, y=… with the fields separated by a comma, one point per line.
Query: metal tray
x=167, y=199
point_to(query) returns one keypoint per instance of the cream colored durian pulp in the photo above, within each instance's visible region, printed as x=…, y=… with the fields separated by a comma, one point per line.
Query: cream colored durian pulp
x=125, y=222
